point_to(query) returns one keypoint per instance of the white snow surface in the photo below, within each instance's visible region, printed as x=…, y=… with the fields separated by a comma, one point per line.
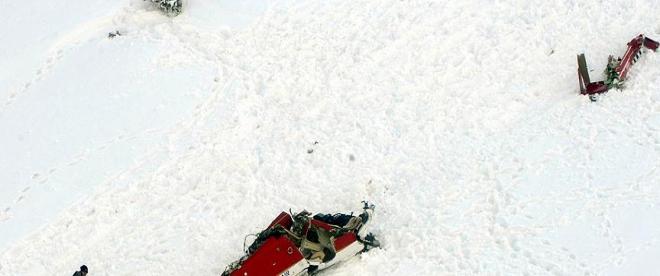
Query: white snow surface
x=158, y=151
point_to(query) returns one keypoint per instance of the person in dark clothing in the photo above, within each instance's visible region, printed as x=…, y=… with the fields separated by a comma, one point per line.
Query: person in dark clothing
x=82, y=272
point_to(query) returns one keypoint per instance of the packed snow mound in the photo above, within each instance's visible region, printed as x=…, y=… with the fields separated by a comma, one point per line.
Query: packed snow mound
x=459, y=120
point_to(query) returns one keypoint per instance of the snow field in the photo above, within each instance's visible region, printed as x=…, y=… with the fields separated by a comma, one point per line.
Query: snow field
x=459, y=120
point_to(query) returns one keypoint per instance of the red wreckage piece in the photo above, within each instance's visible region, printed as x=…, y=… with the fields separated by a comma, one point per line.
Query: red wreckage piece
x=617, y=69
x=299, y=244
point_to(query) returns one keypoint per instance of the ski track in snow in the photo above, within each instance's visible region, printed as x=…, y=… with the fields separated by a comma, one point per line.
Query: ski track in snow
x=463, y=130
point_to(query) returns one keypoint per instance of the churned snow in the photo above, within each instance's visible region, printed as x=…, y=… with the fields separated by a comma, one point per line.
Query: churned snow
x=156, y=152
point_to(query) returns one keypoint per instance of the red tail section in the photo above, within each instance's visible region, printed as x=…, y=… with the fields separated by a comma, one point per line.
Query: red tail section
x=621, y=67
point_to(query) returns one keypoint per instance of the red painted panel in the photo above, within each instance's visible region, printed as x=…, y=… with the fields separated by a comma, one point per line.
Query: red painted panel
x=321, y=224
x=283, y=219
x=274, y=257
x=651, y=44
x=345, y=240
x=596, y=88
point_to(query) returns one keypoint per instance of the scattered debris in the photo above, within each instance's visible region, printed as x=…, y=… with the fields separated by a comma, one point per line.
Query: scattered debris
x=112, y=35
x=302, y=244
x=170, y=7
x=617, y=69
x=309, y=151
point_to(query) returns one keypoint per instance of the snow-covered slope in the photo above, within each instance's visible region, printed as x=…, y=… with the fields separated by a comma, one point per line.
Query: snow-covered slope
x=458, y=119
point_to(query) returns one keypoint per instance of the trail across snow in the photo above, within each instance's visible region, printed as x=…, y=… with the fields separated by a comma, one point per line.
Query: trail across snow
x=458, y=119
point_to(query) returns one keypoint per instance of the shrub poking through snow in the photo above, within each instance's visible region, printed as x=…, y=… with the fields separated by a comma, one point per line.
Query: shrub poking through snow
x=170, y=7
